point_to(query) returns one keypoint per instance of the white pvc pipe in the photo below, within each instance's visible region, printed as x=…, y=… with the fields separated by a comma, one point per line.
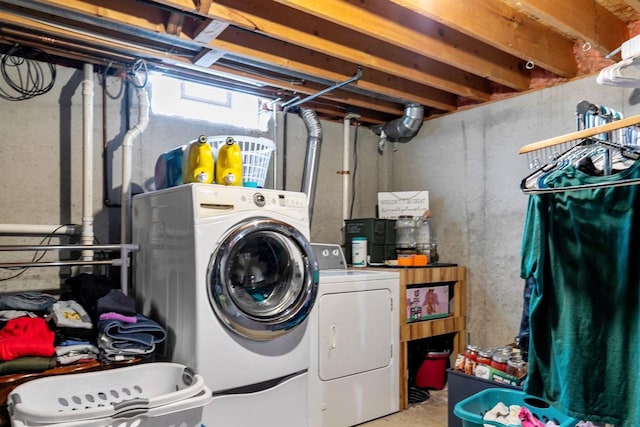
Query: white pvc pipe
x=125, y=191
x=38, y=229
x=346, y=150
x=87, y=167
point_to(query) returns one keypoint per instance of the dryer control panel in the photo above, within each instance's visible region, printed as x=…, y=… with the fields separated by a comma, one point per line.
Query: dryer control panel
x=330, y=256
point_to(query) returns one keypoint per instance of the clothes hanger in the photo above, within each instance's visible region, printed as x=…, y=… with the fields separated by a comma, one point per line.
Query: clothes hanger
x=535, y=182
x=584, y=137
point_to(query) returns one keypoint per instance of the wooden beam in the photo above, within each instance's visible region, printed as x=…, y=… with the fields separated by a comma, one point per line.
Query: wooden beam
x=633, y=4
x=295, y=28
x=133, y=14
x=287, y=56
x=433, y=41
x=423, y=71
x=174, y=24
x=498, y=25
x=202, y=6
x=109, y=46
x=585, y=20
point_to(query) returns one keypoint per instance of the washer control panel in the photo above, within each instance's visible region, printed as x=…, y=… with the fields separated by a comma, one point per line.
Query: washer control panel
x=213, y=199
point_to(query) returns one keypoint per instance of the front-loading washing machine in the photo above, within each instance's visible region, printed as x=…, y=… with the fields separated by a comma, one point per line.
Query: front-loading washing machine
x=354, y=327
x=229, y=272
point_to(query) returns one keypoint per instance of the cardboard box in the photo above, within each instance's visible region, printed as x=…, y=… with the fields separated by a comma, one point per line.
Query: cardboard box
x=492, y=374
x=424, y=303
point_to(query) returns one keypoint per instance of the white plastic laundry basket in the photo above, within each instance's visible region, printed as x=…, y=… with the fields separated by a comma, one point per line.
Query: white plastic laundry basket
x=256, y=154
x=146, y=394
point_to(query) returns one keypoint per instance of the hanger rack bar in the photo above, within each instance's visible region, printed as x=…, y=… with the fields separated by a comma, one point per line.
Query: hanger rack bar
x=57, y=263
x=586, y=133
x=127, y=247
x=123, y=262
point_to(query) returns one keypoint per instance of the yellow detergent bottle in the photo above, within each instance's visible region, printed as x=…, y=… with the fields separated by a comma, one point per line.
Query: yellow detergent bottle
x=198, y=162
x=229, y=163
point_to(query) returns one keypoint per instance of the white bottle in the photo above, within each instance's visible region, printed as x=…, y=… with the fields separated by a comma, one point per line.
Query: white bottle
x=359, y=252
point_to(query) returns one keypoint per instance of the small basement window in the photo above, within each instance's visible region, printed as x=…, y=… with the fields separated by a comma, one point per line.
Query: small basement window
x=174, y=97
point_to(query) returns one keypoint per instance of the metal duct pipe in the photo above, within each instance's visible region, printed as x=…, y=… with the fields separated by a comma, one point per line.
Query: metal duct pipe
x=404, y=128
x=314, y=142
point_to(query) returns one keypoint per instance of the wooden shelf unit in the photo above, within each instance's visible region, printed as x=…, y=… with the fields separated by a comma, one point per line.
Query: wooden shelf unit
x=455, y=323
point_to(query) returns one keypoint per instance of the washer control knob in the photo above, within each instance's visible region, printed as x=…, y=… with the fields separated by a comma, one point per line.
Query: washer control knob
x=259, y=200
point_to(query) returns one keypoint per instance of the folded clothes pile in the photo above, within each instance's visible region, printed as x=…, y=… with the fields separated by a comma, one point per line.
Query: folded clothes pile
x=92, y=322
x=74, y=333
x=121, y=332
x=26, y=341
x=121, y=340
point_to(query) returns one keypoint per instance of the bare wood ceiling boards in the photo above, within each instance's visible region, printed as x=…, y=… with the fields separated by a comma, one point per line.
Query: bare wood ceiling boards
x=443, y=54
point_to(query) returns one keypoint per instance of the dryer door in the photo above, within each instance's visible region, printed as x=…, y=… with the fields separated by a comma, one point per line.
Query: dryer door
x=263, y=278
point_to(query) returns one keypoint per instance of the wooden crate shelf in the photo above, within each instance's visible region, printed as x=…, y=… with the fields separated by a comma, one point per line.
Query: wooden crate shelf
x=455, y=323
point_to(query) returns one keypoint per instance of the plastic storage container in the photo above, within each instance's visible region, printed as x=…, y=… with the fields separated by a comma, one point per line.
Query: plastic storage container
x=433, y=370
x=472, y=409
x=150, y=394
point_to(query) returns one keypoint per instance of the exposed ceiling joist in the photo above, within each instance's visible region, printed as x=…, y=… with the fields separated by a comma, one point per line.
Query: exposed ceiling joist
x=430, y=39
x=579, y=19
x=442, y=54
x=502, y=27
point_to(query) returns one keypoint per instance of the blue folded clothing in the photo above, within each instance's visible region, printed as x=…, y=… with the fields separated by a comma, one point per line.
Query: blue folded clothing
x=29, y=301
x=145, y=331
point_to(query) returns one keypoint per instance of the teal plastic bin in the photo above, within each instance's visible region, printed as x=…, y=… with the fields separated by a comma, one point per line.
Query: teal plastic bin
x=472, y=409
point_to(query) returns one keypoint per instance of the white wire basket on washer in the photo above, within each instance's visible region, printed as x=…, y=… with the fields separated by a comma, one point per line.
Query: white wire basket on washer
x=149, y=394
x=256, y=154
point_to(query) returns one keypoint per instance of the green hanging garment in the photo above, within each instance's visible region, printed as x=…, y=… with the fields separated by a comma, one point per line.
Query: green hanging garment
x=582, y=249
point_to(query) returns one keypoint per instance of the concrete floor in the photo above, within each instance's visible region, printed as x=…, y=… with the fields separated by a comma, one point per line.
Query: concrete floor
x=430, y=413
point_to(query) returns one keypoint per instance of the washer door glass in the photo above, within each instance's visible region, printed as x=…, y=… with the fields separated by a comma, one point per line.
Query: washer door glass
x=263, y=278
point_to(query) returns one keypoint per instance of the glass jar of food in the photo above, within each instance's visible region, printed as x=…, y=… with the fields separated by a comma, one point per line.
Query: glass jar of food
x=516, y=367
x=484, y=356
x=424, y=232
x=499, y=360
x=405, y=232
x=471, y=352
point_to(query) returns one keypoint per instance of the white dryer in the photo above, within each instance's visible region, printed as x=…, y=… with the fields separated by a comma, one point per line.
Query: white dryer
x=229, y=272
x=354, y=372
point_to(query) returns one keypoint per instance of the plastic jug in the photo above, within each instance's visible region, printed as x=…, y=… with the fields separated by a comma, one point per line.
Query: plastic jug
x=229, y=163
x=198, y=164
x=168, y=169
